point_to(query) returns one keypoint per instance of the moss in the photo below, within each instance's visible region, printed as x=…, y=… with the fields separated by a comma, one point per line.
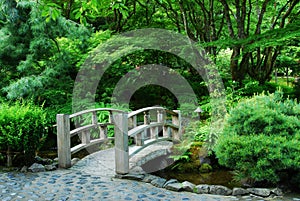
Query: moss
x=205, y=168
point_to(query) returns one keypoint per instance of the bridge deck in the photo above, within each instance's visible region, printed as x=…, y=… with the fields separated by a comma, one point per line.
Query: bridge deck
x=102, y=163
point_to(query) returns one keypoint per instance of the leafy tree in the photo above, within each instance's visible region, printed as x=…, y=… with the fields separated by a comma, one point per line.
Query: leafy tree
x=35, y=56
x=260, y=32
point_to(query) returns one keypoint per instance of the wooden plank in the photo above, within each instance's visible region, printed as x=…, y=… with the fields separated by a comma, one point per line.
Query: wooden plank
x=136, y=130
x=134, y=113
x=95, y=110
x=87, y=127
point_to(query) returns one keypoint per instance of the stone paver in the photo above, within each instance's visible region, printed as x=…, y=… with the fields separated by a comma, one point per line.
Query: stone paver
x=91, y=179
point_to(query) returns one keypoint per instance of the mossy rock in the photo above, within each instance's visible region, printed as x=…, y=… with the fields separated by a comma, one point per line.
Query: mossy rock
x=205, y=168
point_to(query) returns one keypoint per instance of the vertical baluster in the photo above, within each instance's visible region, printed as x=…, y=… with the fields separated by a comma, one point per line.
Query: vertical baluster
x=160, y=116
x=94, y=118
x=154, y=132
x=111, y=119
x=85, y=137
x=134, y=121
x=174, y=131
x=146, y=118
x=103, y=132
x=140, y=138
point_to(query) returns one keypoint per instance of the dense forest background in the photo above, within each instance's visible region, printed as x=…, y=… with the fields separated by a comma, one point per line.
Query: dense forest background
x=43, y=43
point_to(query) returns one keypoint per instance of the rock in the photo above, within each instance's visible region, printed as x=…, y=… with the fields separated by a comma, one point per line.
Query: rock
x=277, y=191
x=74, y=161
x=43, y=161
x=202, y=189
x=158, y=182
x=239, y=191
x=36, y=168
x=174, y=186
x=170, y=182
x=137, y=177
x=263, y=192
x=50, y=167
x=137, y=170
x=219, y=190
x=24, y=169
x=148, y=178
x=55, y=164
x=188, y=186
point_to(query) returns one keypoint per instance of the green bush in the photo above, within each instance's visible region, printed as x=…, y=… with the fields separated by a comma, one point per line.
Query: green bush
x=22, y=128
x=261, y=138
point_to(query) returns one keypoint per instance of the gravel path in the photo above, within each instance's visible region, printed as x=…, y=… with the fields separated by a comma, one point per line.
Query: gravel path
x=93, y=183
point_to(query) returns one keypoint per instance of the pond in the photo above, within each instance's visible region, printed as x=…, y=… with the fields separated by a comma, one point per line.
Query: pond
x=219, y=177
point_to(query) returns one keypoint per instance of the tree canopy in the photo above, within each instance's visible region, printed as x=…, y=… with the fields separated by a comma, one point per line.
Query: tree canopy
x=43, y=43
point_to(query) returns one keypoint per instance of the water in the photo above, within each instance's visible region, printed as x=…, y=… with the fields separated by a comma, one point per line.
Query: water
x=220, y=177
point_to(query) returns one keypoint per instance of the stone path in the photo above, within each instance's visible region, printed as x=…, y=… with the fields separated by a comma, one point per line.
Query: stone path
x=91, y=179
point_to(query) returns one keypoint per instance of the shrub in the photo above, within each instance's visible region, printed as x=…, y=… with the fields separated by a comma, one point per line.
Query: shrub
x=261, y=138
x=22, y=128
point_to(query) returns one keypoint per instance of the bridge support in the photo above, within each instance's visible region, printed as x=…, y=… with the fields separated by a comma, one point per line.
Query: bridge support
x=121, y=143
x=63, y=140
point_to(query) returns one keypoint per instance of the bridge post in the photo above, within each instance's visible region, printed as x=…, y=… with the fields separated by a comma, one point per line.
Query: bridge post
x=121, y=143
x=63, y=140
x=176, y=120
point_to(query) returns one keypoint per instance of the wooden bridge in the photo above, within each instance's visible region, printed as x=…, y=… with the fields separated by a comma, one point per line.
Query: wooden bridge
x=144, y=127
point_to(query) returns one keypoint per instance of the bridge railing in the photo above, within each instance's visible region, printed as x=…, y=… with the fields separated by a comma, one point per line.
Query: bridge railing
x=83, y=130
x=158, y=124
x=156, y=121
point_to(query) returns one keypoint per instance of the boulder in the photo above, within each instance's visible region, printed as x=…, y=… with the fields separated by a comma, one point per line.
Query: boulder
x=35, y=167
x=174, y=186
x=220, y=190
x=43, y=161
x=239, y=191
x=50, y=167
x=24, y=169
x=158, y=182
x=277, y=191
x=202, y=189
x=188, y=186
x=171, y=181
x=137, y=177
x=148, y=178
x=263, y=192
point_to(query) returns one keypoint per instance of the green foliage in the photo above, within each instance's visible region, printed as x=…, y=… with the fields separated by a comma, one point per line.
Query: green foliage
x=23, y=127
x=261, y=138
x=197, y=131
x=235, y=93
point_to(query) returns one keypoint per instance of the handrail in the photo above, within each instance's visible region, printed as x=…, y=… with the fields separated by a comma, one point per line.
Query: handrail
x=95, y=110
x=150, y=130
x=134, y=113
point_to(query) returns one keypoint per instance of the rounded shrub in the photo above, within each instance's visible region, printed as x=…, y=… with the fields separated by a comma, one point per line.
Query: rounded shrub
x=261, y=138
x=22, y=129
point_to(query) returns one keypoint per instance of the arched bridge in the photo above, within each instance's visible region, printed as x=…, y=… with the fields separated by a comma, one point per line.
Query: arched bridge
x=150, y=131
